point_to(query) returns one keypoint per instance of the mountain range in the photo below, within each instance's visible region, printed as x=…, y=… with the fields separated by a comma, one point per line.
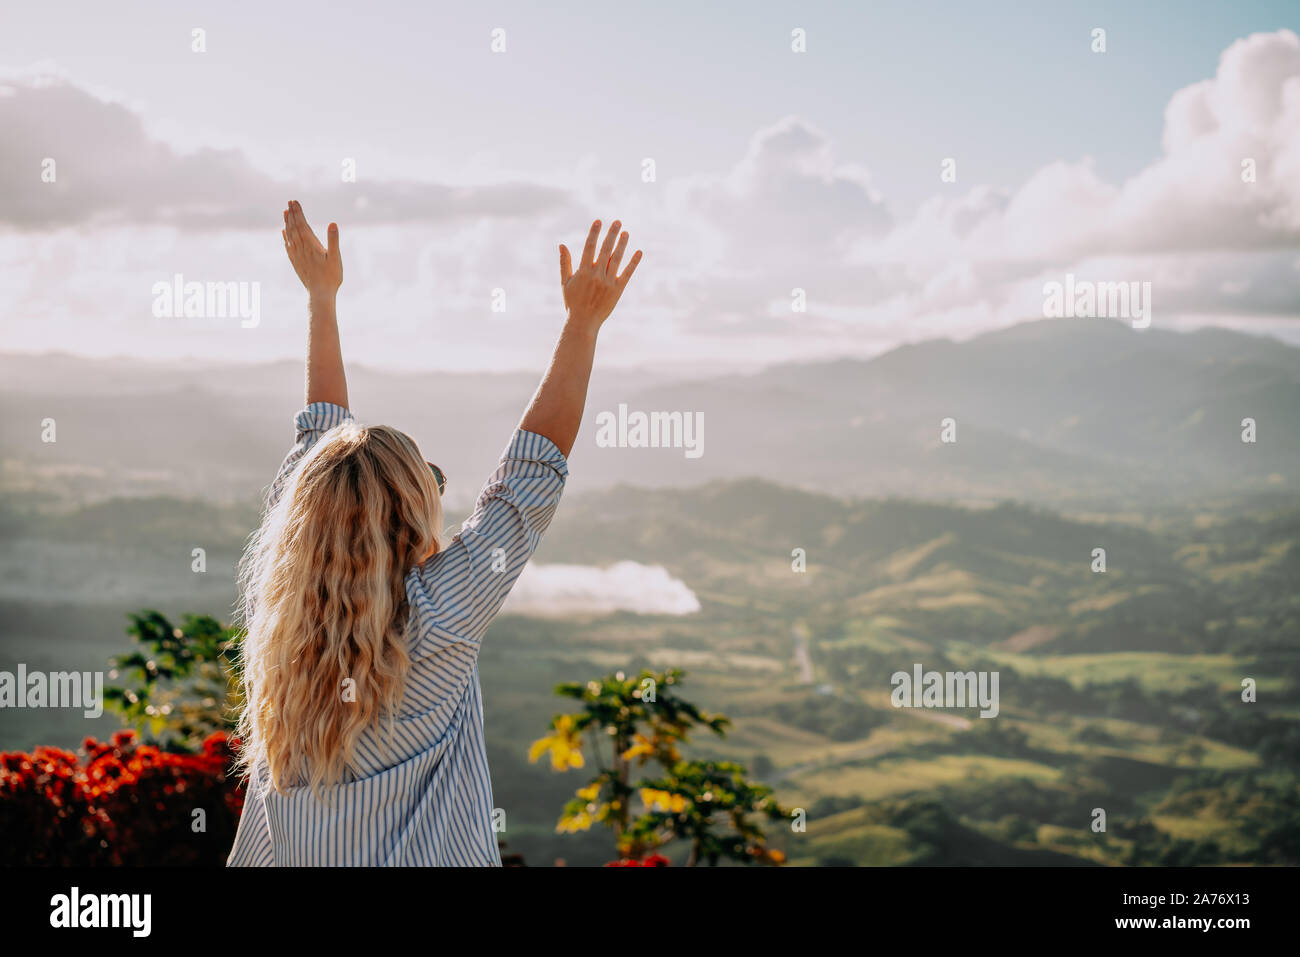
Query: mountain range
x=1075, y=414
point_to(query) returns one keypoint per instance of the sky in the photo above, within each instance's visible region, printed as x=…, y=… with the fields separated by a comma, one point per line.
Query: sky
x=774, y=171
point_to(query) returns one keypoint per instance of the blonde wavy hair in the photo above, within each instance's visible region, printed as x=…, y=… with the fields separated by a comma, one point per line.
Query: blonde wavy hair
x=324, y=603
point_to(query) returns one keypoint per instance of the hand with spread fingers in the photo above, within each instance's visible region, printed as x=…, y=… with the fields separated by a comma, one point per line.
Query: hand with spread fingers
x=592, y=290
x=319, y=267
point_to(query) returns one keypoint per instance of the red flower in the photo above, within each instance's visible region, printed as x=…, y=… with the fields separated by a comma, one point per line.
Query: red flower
x=654, y=860
x=128, y=804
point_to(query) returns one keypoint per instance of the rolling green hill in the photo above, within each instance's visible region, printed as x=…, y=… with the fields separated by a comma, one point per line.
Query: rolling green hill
x=1119, y=690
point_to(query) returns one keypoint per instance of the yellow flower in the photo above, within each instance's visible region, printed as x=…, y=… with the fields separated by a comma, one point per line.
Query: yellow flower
x=589, y=793
x=663, y=800
x=641, y=746
x=574, y=823
x=564, y=746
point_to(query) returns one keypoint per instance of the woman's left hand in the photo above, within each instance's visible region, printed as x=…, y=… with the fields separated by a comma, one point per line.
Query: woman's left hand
x=319, y=267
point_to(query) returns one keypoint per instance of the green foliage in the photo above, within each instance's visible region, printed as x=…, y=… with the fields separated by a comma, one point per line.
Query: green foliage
x=629, y=721
x=181, y=683
x=709, y=805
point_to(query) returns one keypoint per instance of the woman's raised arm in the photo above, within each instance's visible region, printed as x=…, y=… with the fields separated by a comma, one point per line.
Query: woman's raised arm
x=590, y=294
x=321, y=270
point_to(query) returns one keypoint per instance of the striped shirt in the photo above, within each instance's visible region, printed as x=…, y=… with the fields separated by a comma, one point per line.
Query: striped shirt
x=424, y=797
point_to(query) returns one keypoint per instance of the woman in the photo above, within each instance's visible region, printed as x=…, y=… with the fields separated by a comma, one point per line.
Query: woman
x=362, y=724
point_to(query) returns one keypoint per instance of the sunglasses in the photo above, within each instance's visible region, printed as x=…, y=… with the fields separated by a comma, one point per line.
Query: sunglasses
x=438, y=476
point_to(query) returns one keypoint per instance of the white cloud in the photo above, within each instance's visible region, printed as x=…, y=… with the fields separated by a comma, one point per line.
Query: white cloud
x=1190, y=198
x=790, y=192
x=545, y=590
x=1187, y=221
x=723, y=250
x=111, y=172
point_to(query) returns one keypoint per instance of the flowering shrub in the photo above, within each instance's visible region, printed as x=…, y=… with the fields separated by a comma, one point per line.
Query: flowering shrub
x=128, y=804
x=642, y=719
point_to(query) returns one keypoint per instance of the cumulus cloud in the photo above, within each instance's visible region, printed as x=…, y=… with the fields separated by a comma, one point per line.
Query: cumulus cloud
x=109, y=171
x=544, y=590
x=781, y=217
x=790, y=190
x=794, y=212
x=724, y=250
x=1193, y=197
x=1210, y=238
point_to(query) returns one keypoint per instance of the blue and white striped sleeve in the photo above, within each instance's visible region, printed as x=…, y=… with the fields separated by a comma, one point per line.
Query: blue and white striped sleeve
x=456, y=594
x=309, y=425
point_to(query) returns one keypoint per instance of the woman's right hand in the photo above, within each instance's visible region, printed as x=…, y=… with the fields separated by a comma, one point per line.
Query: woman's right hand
x=592, y=291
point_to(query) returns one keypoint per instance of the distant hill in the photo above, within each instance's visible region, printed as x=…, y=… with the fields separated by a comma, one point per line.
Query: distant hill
x=1011, y=576
x=1060, y=412
x=1075, y=414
